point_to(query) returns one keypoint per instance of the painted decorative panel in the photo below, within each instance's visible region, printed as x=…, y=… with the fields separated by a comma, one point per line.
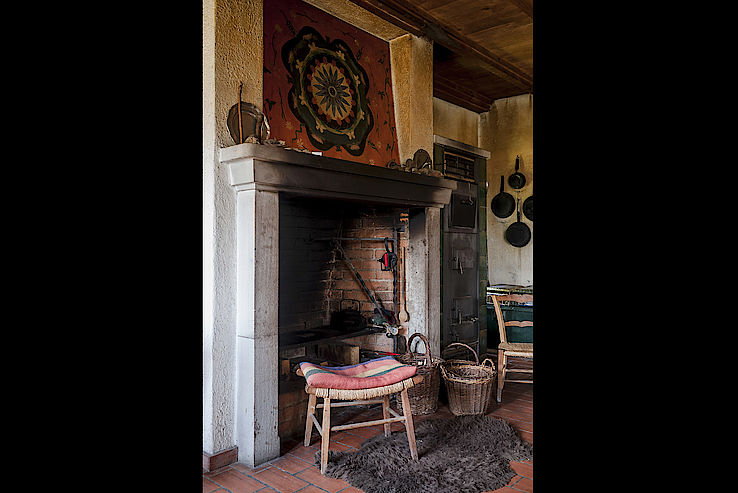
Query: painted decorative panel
x=327, y=85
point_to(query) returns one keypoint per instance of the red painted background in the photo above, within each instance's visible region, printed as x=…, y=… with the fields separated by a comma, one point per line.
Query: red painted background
x=282, y=20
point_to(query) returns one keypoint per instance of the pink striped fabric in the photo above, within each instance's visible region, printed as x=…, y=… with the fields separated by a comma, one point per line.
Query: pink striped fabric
x=368, y=375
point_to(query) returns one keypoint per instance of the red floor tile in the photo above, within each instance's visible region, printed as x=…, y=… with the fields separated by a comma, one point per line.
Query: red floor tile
x=247, y=470
x=280, y=480
x=522, y=469
x=348, y=439
x=521, y=426
x=236, y=481
x=208, y=486
x=368, y=432
x=528, y=437
x=305, y=453
x=312, y=475
x=333, y=446
x=312, y=489
x=291, y=464
x=524, y=484
x=514, y=480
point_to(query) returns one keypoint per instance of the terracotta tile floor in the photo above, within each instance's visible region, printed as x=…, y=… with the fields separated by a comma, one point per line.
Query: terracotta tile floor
x=294, y=471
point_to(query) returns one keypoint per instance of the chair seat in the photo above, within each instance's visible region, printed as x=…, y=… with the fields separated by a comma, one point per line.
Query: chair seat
x=517, y=347
x=363, y=394
x=374, y=373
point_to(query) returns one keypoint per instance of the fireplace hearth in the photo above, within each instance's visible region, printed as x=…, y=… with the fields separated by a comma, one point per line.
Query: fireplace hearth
x=288, y=283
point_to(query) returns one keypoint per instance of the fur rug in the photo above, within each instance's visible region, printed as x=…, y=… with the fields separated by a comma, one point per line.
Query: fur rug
x=463, y=454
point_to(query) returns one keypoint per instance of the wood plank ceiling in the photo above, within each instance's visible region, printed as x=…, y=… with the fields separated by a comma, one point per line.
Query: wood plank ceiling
x=483, y=49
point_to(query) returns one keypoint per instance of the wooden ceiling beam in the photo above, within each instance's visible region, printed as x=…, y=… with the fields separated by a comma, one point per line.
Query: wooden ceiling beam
x=460, y=94
x=454, y=98
x=525, y=5
x=390, y=15
x=421, y=23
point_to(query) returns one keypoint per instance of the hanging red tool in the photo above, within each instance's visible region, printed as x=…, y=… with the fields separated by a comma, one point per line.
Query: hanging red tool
x=389, y=258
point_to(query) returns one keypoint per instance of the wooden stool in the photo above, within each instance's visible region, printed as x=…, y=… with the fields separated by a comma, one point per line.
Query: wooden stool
x=356, y=398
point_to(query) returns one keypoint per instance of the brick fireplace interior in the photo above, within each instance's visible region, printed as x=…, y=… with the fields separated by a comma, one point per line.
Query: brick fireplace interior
x=316, y=283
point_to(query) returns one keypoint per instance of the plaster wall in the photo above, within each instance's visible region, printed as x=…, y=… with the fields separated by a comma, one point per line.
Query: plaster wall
x=506, y=131
x=208, y=218
x=411, y=59
x=455, y=122
x=232, y=53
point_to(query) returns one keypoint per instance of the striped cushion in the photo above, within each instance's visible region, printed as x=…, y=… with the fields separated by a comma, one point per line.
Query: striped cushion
x=373, y=373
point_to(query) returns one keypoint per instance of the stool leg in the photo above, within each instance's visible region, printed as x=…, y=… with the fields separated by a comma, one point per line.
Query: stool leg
x=326, y=434
x=386, y=415
x=501, y=370
x=309, y=420
x=408, y=413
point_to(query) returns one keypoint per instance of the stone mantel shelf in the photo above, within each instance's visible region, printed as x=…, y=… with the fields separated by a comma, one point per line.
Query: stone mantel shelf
x=273, y=168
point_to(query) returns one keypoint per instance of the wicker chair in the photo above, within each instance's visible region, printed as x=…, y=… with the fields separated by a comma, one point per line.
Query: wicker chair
x=356, y=398
x=506, y=349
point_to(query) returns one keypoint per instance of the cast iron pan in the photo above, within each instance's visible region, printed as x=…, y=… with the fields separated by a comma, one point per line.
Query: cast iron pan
x=253, y=122
x=502, y=204
x=518, y=233
x=528, y=207
x=517, y=179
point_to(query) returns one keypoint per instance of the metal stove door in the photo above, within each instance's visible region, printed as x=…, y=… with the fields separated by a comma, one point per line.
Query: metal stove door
x=460, y=287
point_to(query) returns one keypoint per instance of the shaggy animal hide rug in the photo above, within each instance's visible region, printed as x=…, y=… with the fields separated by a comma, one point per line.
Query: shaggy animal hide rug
x=463, y=454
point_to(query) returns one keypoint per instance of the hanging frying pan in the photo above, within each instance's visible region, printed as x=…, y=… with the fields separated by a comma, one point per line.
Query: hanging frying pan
x=517, y=179
x=503, y=204
x=528, y=207
x=518, y=233
x=246, y=120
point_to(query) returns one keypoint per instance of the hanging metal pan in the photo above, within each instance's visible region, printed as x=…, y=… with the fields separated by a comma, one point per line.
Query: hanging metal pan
x=518, y=233
x=528, y=207
x=517, y=179
x=252, y=121
x=503, y=204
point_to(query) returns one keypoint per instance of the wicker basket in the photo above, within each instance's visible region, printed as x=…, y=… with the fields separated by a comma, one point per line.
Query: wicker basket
x=469, y=385
x=423, y=396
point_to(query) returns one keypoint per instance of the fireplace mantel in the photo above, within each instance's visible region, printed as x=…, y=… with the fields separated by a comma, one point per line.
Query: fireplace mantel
x=275, y=169
x=260, y=174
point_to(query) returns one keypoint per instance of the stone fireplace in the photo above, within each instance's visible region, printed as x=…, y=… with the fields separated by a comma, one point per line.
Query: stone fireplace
x=288, y=278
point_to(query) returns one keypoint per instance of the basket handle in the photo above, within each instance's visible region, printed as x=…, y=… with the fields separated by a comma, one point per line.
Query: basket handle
x=428, y=359
x=491, y=363
x=476, y=358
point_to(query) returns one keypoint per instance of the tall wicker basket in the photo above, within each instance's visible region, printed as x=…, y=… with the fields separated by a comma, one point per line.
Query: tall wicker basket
x=423, y=396
x=469, y=385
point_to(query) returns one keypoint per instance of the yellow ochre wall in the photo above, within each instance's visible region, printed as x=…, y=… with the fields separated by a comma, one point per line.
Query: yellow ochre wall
x=455, y=122
x=506, y=131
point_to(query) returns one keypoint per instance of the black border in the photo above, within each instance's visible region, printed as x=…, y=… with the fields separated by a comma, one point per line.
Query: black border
x=133, y=272
x=610, y=266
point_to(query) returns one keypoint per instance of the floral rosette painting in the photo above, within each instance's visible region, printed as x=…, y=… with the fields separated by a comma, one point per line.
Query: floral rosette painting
x=328, y=91
x=327, y=85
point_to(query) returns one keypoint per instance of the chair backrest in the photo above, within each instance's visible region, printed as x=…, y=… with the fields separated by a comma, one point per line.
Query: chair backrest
x=501, y=323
